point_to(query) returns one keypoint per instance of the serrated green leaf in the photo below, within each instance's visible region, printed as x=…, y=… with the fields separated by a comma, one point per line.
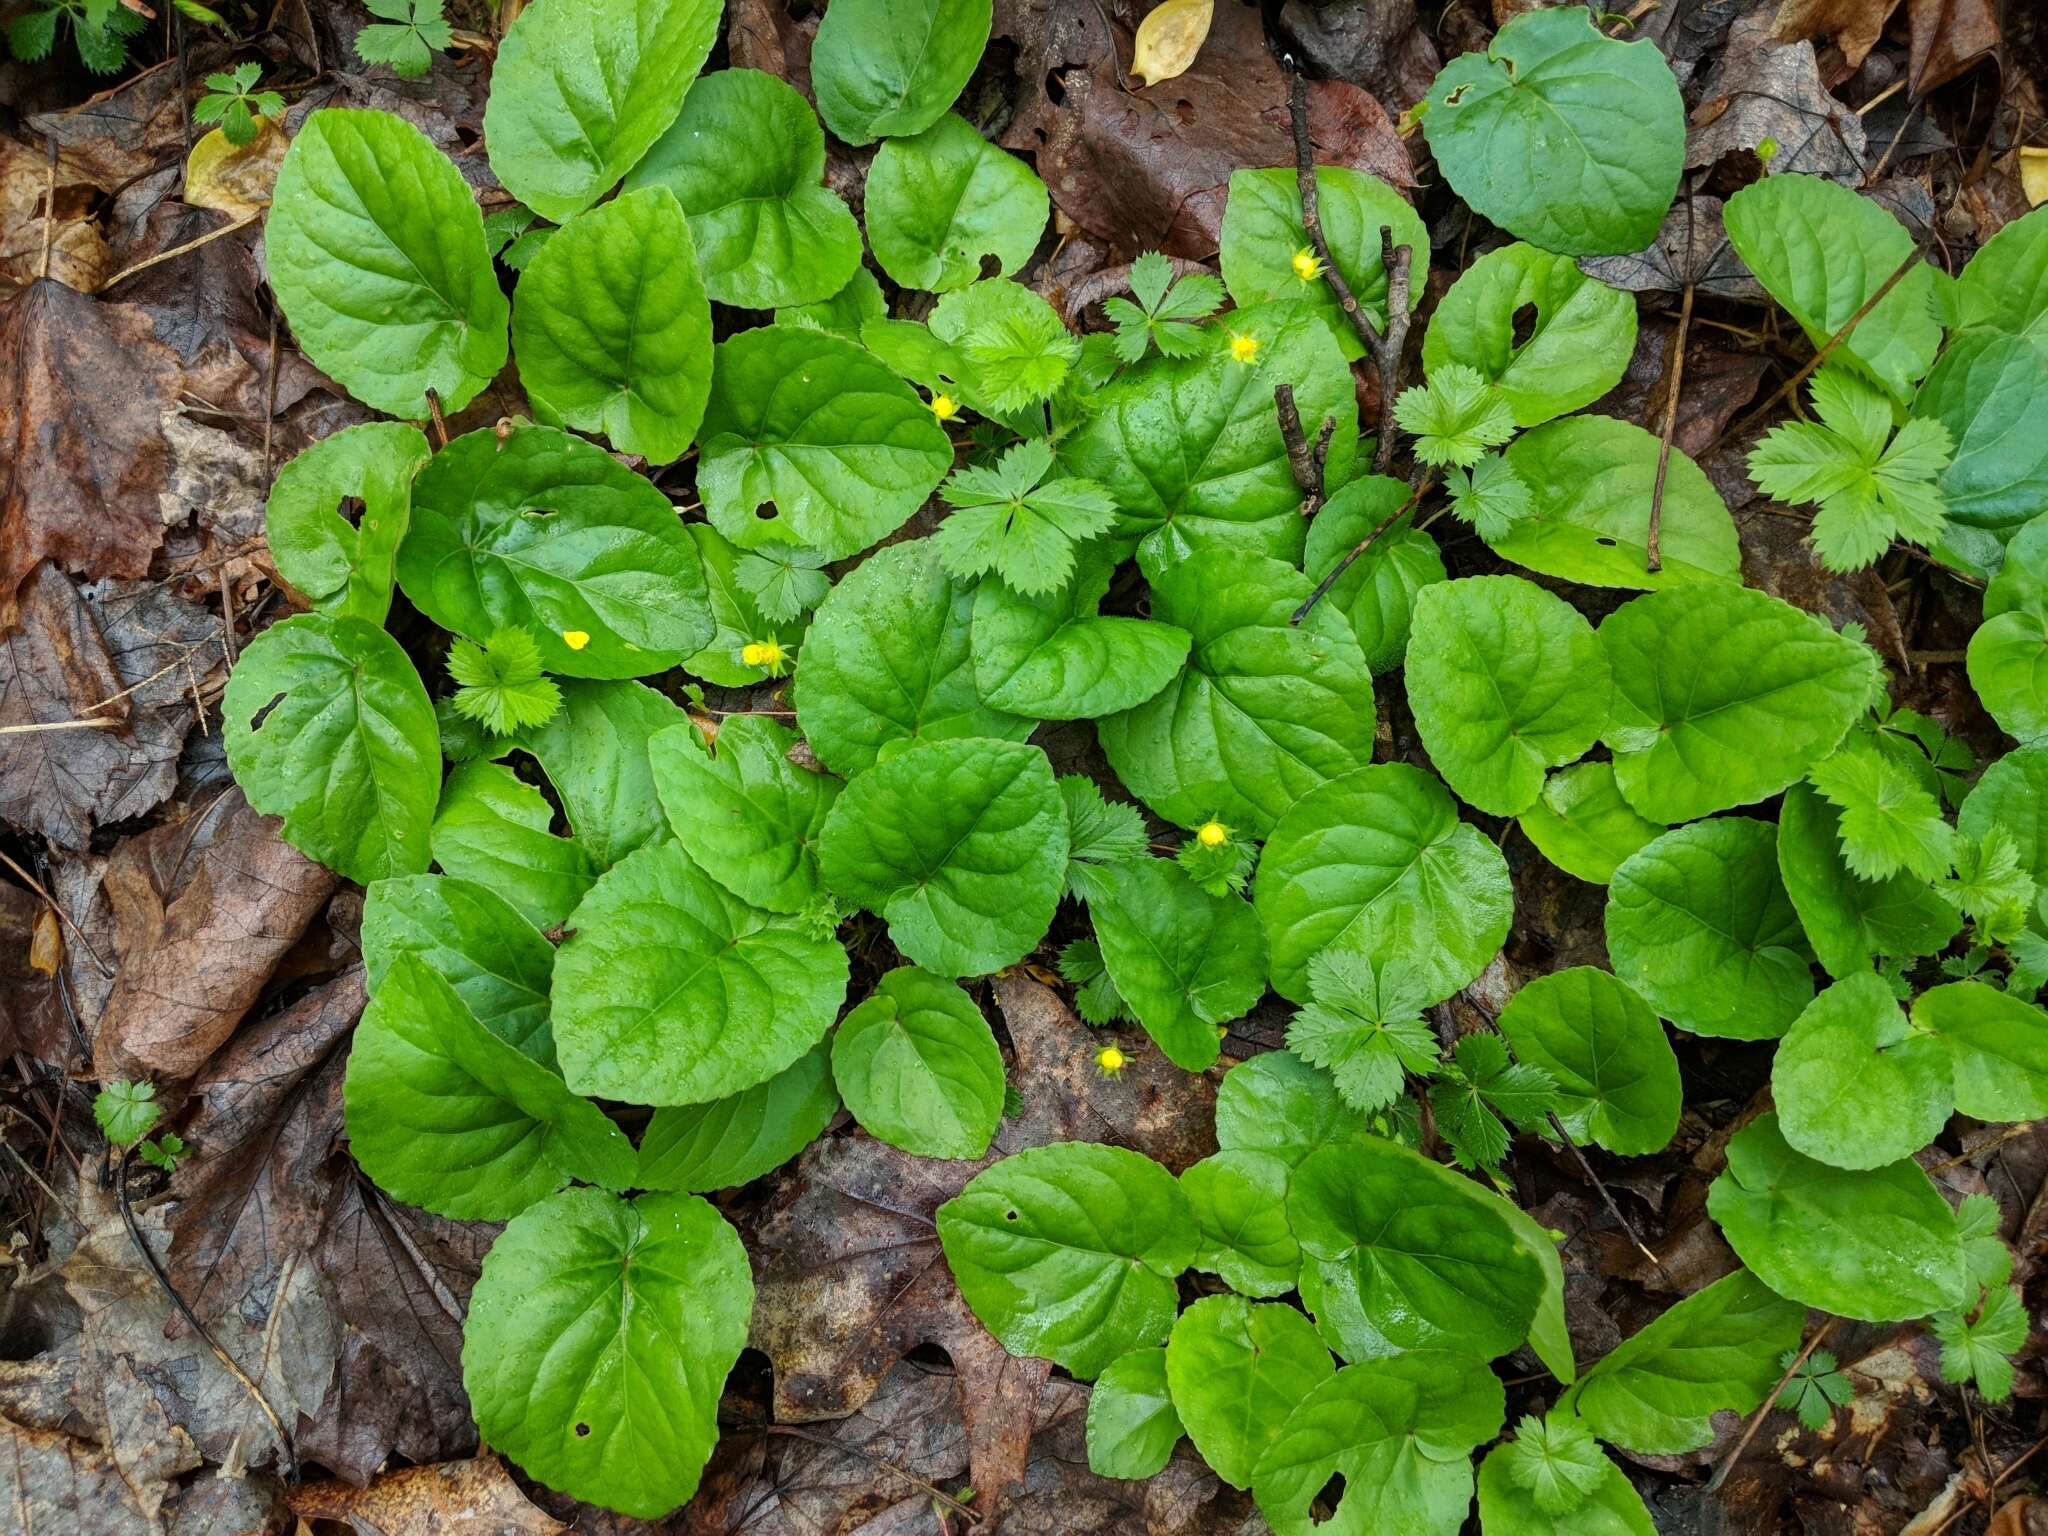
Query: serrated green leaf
x=670, y=990
x=500, y=684
x=444, y=1114
x=919, y=1068
x=126, y=1112
x=375, y=249
x=582, y=89
x=475, y=940
x=1852, y=922
x=1132, y=1426
x=1378, y=862
x=1364, y=1027
x=1617, y=1078
x=1699, y=925
x=731, y=1141
x=1069, y=1252
x=746, y=160
x=612, y=329
x=810, y=423
x=1454, y=417
x=1879, y=1244
x=1610, y=1504
x=598, y=1341
x=1237, y=1371
x=1004, y=519
x=548, y=533
x=347, y=569
x=937, y=204
x=737, y=612
x=328, y=725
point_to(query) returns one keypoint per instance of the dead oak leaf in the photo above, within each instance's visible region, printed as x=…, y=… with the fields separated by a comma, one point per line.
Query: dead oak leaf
x=1764, y=90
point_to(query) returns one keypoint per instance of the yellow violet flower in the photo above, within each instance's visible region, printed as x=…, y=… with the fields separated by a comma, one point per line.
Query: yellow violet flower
x=1212, y=834
x=1243, y=348
x=945, y=407
x=575, y=639
x=1307, y=265
x=1110, y=1061
x=768, y=654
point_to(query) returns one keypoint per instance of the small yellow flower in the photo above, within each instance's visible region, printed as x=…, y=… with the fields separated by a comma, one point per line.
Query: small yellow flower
x=1307, y=265
x=945, y=407
x=1243, y=348
x=1222, y=1032
x=1110, y=1061
x=575, y=639
x=768, y=654
x=1212, y=834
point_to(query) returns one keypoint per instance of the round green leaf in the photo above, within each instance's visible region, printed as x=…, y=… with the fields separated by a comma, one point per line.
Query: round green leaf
x=1262, y=232
x=1237, y=1371
x=1132, y=1428
x=1854, y=1085
x=919, y=1068
x=726, y=1142
x=1583, y=826
x=328, y=726
x=1425, y=1252
x=960, y=845
x=888, y=662
x=1183, y=960
x=670, y=990
x=1400, y=1432
x=1591, y=479
x=1506, y=680
x=1985, y=388
x=746, y=160
x=1997, y=1048
x=845, y=312
x=582, y=88
x=1276, y=1102
x=842, y=448
x=1612, y=1507
x=940, y=202
x=493, y=827
x=1723, y=696
x=598, y=1341
x=1377, y=590
x=375, y=248
x=887, y=70
x=545, y=532
x=497, y=961
x=595, y=751
x=2008, y=661
x=1563, y=137
x=444, y=1114
x=746, y=814
x=2003, y=285
x=1576, y=349
x=1878, y=1244
x=1377, y=861
x=1699, y=925
x=1616, y=1075
x=1054, y=658
x=1069, y=1252
x=1192, y=451
x=347, y=569
x=1265, y=711
x=612, y=329
x=1823, y=250
x=1240, y=1205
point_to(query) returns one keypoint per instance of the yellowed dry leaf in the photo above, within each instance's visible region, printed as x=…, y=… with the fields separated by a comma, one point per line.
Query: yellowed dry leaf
x=474, y=1495
x=68, y=247
x=1169, y=38
x=235, y=178
x=2034, y=175
x=46, y=943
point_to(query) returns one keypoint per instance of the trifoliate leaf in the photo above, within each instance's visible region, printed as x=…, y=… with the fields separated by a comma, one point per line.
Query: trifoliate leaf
x=1455, y=417
x=1009, y=518
x=1979, y=1349
x=1490, y=496
x=502, y=687
x=1815, y=1389
x=126, y=1112
x=1985, y=1255
x=1556, y=1462
x=1166, y=312
x=1364, y=1026
x=1888, y=821
x=1989, y=884
x=1868, y=493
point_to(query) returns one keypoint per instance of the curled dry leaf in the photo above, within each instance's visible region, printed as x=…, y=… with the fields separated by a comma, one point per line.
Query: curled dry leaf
x=235, y=178
x=1169, y=37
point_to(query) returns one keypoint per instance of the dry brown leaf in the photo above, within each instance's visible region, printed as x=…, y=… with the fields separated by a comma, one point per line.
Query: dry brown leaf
x=235, y=178
x=476, y=1496
x=1854, y=25
x=47, y=205
x=1948, y=36
x=1169, y=37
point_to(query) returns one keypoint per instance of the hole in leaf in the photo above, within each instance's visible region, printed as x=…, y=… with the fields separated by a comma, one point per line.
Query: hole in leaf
x=1055, y=88
x=1009, y=1215
x=1524, y=324
x=256, y=720
x=1456, y=96
x=1604, y=542
x=1324, y=1509
x=582, y=1431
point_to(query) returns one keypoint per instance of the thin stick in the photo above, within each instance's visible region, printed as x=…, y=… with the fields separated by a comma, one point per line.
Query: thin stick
x=269, y=402
x=440, y=425
x=1305, y=462
x=179, y=250
x=60, y=725
x=1607, y=1199
x=1337, y=570
x=64, y=917
x=1898, y=276
x=1756, y=1419
x=284, y=1444
x=973, y=1517
x=50, y=205
x=1654, y=558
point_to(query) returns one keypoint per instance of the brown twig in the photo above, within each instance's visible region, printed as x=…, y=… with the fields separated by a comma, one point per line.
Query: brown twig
x=1384, y=347
x=50, y=205
x=1674, y=375
x=1608, y=1200
x=1308, y=464
x=973, y=1517
x=1337, y=570
x=1756, y=1419
x=284, y=1444
x=440, y=425
x=179, y=250
x=107, y=724
x=1898, y=276
x=269, y=401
